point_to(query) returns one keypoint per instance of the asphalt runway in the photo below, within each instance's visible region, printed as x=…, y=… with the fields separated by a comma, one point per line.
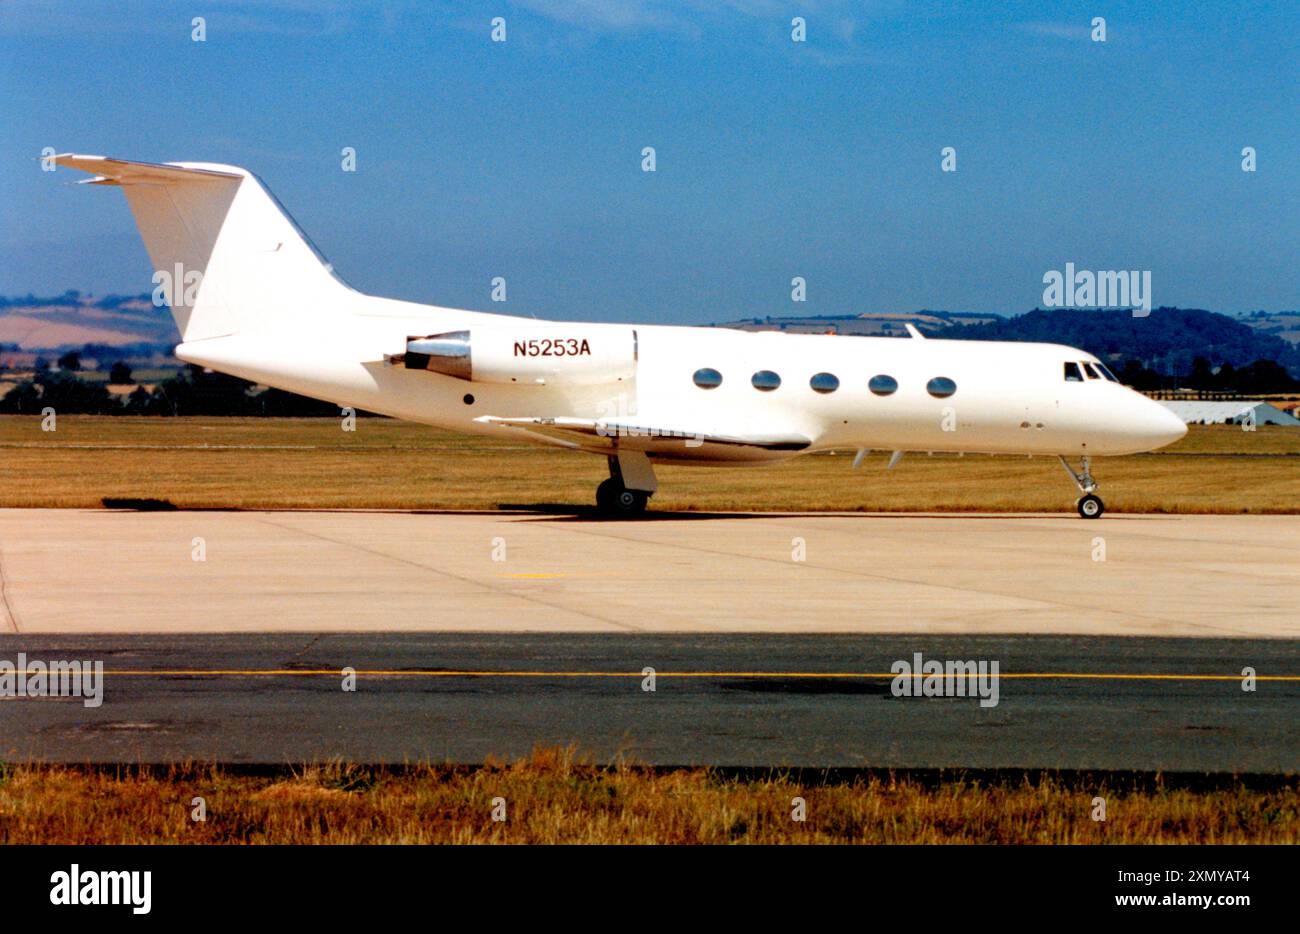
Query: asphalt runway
x=109, y=571
x=772, y=637
x=723, y=699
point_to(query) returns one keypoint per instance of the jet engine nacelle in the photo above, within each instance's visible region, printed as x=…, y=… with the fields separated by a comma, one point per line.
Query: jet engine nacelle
x=577, y=354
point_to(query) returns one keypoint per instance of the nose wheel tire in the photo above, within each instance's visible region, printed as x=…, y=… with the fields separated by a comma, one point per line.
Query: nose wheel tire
x=1091, y=507
x=614, y=499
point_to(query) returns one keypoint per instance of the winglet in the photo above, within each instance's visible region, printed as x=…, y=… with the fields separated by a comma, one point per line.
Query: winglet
x=911, y=329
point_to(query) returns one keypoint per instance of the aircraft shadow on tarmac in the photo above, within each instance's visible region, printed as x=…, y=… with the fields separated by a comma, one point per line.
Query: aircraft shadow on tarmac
x=574, y=513
x=571, y=513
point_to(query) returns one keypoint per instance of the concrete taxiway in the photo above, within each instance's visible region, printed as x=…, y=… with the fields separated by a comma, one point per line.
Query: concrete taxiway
x=102, y=571
x=727, y=699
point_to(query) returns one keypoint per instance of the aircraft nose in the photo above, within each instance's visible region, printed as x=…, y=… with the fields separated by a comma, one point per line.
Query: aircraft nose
x=1163, y=426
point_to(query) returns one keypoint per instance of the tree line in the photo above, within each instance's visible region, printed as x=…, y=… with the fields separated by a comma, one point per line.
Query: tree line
x=192, y=391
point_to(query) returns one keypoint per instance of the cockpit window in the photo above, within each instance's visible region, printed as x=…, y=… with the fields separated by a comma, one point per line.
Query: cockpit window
x=1072, y=374
x=1087, y=368
x=1106, y=372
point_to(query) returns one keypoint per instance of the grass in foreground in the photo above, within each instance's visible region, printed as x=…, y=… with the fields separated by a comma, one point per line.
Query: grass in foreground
x=554, y=797
x=239, y=463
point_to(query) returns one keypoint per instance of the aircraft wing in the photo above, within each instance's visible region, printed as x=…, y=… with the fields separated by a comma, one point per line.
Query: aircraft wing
x=646, y=435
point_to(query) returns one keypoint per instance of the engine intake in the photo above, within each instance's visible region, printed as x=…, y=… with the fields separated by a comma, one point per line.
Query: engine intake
x=442, y=353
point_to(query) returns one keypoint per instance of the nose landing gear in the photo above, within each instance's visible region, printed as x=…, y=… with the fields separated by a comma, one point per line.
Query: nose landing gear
x=1089, y=505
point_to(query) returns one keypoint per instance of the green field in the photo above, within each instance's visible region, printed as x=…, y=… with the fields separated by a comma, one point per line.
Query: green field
x=313, y=463
x=554, y=797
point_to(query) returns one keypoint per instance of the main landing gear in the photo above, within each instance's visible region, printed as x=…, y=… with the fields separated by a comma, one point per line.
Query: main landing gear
x=617, y=500
x=1089, y=505
x=629, y=487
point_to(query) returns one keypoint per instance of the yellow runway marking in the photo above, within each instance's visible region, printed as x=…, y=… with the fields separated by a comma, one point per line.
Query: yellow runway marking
x=846, y=675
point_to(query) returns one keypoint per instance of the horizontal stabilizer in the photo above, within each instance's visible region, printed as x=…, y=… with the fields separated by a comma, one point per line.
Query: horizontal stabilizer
x=122, y=172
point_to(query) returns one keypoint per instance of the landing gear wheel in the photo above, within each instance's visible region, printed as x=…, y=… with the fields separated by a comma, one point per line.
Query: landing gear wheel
x=1091, y=507
x=617, y=500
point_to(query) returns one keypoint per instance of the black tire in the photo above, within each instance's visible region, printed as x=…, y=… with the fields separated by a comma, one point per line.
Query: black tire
x=1091, y=507
x=615, y=499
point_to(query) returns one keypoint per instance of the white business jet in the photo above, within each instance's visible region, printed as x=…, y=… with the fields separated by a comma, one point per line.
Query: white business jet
x=254, y=298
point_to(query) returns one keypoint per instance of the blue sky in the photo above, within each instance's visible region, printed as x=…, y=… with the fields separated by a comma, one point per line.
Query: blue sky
x=775, y=159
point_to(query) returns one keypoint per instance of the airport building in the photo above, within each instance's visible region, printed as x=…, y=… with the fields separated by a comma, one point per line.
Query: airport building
x=1199, y=412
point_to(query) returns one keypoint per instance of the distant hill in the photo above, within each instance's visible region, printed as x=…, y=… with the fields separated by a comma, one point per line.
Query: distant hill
x=72, y=320
x=1168, y=340
x=873, y=323
x=1283, y=324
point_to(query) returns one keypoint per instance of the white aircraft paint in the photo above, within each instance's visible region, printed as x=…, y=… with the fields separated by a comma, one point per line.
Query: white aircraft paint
x=269, y=309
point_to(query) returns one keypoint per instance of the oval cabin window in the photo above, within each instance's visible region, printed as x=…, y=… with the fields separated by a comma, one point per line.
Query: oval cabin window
x=941, y=387
x=883, y=385
x=824, y=382
x=707, y=378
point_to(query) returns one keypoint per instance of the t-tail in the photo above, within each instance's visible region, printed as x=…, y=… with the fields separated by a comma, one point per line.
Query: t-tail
x=227, y=257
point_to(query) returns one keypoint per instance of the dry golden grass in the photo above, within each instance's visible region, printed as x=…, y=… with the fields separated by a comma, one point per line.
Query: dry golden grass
x=555, y=797
x=385, y=464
